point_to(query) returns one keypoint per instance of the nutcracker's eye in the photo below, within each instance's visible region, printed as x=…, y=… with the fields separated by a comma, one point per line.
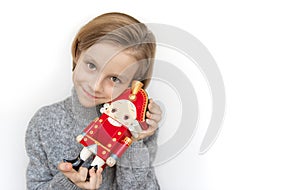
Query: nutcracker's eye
x=113, y=110
x=126, y=117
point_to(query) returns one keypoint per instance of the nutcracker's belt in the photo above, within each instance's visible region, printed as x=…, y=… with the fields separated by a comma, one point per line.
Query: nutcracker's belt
x=98, y=143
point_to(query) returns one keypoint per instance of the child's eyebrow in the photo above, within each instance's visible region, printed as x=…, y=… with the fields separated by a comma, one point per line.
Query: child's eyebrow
x=90, y=58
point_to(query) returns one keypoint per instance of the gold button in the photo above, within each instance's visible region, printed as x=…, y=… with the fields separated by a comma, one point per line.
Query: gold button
x=91, y=132
x=85, y=139
x=100, y=120
x=103, y=152
x=114, y=139
x=119, y=133
x=109, y=145
x=96, y=126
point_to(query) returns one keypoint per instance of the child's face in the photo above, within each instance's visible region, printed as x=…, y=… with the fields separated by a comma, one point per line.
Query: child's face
x=102, y=73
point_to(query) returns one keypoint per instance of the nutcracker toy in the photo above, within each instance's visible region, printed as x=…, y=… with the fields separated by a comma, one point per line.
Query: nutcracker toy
x=110, y=135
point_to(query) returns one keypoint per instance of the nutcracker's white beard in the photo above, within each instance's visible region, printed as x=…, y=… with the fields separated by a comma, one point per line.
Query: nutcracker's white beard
x=114, y=122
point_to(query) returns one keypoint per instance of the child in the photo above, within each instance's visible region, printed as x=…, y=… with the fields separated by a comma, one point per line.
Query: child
x=108, y=53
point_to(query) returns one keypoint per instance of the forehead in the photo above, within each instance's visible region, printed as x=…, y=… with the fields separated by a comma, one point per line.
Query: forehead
x=111, y=57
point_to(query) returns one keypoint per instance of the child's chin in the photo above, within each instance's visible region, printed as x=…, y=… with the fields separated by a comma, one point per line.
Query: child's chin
x=87, y=104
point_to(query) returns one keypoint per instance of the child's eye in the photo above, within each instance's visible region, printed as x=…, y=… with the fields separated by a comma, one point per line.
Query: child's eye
x=115, y=79
x=91, y=66
x=113, y=110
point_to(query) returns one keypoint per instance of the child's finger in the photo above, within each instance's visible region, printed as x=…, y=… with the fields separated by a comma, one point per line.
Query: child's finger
x=155, y=117
x=91, y=184
x=64, y=167
x=153, y=107
x=152, y=124
x=93, y=178
x=82, y=173
x=150, y=131
x=99, y=177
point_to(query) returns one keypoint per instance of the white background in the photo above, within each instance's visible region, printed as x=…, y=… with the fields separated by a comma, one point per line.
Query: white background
x=255, y=44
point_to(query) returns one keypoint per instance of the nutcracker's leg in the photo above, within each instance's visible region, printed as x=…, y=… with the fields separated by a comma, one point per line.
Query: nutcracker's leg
x=82, y=157
x=97, y=163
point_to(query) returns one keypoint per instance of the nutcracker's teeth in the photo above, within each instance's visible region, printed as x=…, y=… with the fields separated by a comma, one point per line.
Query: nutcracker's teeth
x=114, y=122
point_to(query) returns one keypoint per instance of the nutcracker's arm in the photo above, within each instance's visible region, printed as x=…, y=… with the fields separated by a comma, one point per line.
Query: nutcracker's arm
x=79, y=137
x=86, y=130
x=119, y=151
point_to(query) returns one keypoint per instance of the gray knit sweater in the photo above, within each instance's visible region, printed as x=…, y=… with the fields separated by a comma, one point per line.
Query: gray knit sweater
x=50, y=138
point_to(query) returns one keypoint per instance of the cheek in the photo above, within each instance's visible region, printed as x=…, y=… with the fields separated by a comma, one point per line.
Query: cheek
x=77, y=75
x=124, y=120
x=129, y=121
x=118, y=90
x=107, y=91
x=74, y=77
x=81, y=76
x=115, y=92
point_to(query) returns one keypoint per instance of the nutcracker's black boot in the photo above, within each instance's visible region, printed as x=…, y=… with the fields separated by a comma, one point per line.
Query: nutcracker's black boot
x=88, y=174
x=76, y=163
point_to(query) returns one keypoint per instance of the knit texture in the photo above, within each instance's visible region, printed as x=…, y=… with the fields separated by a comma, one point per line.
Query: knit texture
x=50, y=138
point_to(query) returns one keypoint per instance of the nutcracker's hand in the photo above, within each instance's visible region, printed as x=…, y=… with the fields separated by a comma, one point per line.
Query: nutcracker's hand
x=153, y=116
x=79, y=138
x=110, y=161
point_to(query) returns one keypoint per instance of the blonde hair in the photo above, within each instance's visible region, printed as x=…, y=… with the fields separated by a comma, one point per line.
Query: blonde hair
x=122, y=30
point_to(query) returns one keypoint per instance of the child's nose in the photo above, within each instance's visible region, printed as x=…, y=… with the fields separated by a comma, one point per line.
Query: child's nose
x=98, y=84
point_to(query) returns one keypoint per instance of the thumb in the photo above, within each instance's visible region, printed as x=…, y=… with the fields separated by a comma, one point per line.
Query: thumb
x=65, y=167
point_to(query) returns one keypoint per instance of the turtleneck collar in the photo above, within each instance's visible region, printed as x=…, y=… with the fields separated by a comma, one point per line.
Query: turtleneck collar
x=82, y=115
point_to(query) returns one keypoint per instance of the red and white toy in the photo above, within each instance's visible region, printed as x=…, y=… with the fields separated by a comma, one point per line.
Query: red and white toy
x=110, y=135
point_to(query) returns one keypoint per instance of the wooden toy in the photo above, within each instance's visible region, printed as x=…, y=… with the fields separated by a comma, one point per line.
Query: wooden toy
x=110, y=135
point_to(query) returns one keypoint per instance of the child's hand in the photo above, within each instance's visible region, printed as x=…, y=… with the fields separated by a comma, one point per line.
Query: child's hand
x=79, y=178
x=153, y=116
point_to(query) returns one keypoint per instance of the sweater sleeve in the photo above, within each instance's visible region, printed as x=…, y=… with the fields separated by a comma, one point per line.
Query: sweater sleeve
x=38, y=174
x=134, y=169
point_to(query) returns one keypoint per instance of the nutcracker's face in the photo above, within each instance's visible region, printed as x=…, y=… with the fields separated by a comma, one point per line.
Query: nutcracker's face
x=122, y=111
